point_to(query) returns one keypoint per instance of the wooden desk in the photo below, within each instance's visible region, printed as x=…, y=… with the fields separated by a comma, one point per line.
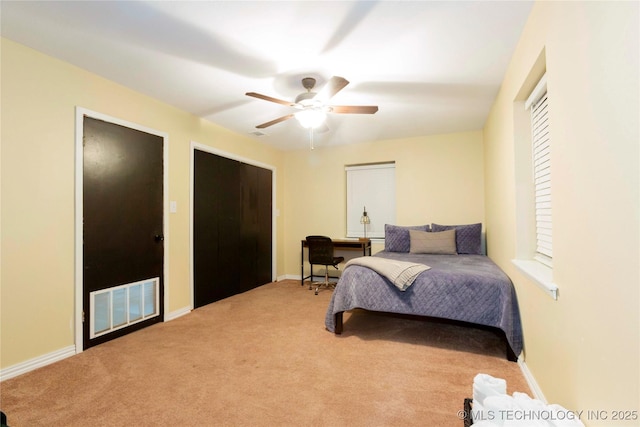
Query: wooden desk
x=344, y=244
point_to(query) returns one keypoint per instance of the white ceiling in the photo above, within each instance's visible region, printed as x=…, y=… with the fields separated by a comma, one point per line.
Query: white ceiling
x=431, y=66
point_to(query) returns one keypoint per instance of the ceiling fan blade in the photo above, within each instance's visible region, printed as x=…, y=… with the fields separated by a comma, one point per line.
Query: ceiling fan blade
x=269, y=98
x=333, y=86
x=354, y=109
x=276, y=121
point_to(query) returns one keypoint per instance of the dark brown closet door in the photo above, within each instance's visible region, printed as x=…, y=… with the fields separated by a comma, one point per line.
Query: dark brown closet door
x=216, y=219
x=232, y=203
x=265, y=226
x=248, y=227
x=255, y=227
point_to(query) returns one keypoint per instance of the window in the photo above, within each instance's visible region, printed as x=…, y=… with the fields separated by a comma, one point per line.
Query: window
x=371, y=186
x=541, y=158
x=534, y=188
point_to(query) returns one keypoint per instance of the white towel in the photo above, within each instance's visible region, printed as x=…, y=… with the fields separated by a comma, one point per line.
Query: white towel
x=564, y=418
x=484, y=424
x=500, y=408
x=528, y=412
x=493, y=407
x=526, y=423
x=478, y=413
x=485, y=385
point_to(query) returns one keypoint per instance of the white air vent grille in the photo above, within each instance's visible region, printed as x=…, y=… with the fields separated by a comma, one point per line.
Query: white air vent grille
x=124, y=305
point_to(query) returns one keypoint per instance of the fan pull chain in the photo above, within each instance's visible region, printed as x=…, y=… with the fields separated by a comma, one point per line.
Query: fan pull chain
x=311, y=137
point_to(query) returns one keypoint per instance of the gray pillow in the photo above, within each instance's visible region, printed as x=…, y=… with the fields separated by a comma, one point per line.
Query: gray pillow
x=442, y=242
x=396, y=237
x=468, y=237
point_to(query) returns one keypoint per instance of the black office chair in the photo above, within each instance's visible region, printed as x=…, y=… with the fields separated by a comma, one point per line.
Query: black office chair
x=321, y=253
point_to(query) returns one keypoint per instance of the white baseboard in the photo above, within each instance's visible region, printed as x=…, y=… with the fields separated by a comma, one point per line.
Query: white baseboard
x=56, y=356
x=37, y=362
x=177, y=313
x=533, y=384
x=288, y=277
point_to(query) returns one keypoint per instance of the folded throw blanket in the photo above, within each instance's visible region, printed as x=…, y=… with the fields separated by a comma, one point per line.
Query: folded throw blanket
x=400, y=273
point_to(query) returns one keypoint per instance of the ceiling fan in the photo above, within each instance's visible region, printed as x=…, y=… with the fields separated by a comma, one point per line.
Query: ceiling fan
x=313, y=106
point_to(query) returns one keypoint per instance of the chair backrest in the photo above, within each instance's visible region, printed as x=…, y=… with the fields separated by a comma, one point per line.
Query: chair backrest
x=320, y=250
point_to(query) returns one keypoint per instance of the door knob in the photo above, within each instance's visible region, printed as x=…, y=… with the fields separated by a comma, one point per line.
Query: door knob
x=159, y=237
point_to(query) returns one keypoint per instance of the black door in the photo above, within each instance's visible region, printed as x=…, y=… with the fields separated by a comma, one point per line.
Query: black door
x=232, y=227
x=256, y=229
x=216, y=221
x=123, y=224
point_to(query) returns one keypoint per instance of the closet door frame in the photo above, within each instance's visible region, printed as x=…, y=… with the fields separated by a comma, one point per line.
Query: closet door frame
x=198, y=146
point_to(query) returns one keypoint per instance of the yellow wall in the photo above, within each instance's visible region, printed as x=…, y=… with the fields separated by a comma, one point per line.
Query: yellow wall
x=582, y=349
x=439, y=179
x=39, y=96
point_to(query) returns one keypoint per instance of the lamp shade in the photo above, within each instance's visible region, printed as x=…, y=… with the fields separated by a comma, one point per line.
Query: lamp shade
x=311, y=118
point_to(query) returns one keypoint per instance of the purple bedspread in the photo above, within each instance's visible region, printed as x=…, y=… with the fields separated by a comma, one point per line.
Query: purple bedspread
x=468, y=288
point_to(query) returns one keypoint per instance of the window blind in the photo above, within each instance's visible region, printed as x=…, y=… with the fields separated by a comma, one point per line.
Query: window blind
x=372, y=186
x=541, y=146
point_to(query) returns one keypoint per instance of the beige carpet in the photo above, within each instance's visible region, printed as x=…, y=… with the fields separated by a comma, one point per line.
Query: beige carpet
x=264, y=358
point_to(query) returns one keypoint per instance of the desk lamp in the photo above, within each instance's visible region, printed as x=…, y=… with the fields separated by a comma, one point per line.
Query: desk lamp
x=364, y=220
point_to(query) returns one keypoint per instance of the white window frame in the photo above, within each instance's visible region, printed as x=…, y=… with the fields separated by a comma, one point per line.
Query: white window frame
x=538, y=105
x=372, y=186
x=534, y=226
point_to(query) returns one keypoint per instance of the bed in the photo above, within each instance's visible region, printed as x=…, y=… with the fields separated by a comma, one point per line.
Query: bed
x=460, y=284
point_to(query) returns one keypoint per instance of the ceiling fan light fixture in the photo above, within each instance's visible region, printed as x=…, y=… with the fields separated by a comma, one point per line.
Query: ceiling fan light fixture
x=311, y=118
x=313, y=106
x=305, y=98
